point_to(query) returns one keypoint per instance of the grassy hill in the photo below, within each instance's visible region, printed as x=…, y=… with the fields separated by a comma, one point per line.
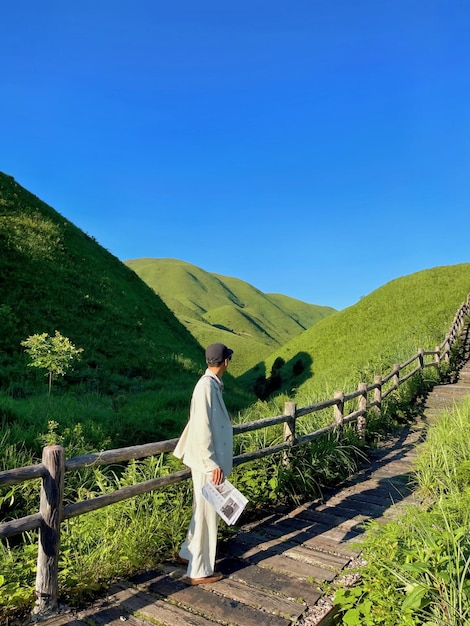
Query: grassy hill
x=142, y=352
x=220, y=308
x=55, y=277
x=383, y=328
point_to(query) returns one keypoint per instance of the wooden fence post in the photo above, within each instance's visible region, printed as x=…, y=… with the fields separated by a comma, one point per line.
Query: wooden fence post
x=421, y=358
x=290, y=409
x=338, y=411
x=361, y=420
x=437, y=355
x=447, y=351
x=378, y=394
x=51, y=503
x=396, y=376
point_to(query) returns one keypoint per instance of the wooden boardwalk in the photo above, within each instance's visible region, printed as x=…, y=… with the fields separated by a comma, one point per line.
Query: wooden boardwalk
x=274, y=567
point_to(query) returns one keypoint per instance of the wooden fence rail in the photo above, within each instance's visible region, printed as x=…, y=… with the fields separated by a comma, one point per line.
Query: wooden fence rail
x=54, y=466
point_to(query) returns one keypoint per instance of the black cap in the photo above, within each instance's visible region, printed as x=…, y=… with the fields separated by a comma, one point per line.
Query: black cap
x=216, y=353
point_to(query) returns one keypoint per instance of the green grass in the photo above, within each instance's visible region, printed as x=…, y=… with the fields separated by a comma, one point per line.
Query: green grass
x=55, y=277
x=383, y=328
x=140, y=533
x=221, y=308
x=418, y=567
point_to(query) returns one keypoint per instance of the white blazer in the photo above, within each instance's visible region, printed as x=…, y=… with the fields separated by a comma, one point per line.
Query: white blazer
x=207, y=440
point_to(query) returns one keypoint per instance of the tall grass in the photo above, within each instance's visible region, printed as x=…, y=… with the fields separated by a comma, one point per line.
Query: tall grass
x=418, y=566
x=115, y=541
x=140, y=533
x=443, y=467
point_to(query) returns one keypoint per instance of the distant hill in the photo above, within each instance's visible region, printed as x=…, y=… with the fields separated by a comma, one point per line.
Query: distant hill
x=383, y=328
x=220, y=308
x=55, y=277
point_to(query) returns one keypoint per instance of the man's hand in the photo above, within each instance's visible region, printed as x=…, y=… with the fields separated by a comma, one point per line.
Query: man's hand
x=217, y=476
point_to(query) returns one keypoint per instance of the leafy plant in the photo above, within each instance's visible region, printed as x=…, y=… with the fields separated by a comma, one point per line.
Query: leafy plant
x=18, y=576
x=54, y=354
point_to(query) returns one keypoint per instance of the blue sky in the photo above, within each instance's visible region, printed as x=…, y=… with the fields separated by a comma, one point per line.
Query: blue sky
x=315, y=148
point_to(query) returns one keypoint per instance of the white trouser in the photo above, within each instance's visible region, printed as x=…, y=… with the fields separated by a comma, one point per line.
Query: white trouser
x=200, y=545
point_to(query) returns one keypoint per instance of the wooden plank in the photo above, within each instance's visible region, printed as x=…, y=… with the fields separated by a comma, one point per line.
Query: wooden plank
x=250, y=539
x=378, y=494
x=161, y=612
x=260, y=599
x=386, y=471
x=111, y=616
x=326, y=538
x=370, y=502
x=291, y=526
x=355, y=525
x=331, y=547
x=400, y=481
x=281, y=545
x=270, y=547
x=275, y=536
x=262, y=578
x=270, y=519
x=358, y=512
x=328, y=515
x=205, y=600
x=244, y=545
x=337, y=517
x=274, y=541
x=314, y=530
x=63, y=619
x=156, y=611
x=352, y=520
x=339, y=535
x=236, y=548
x=315, y=557
x=295, y=568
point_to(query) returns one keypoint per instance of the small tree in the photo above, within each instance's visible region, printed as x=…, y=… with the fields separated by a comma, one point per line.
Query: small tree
x=54, y=354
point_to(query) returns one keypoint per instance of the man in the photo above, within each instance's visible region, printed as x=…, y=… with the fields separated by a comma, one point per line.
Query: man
x=206, y=446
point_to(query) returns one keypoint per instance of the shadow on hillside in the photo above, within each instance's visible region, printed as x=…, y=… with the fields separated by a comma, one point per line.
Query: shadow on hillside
x=283, y=378
x=224, y=328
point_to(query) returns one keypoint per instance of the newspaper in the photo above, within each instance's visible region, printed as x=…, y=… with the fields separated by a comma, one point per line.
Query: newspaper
x=226, y=499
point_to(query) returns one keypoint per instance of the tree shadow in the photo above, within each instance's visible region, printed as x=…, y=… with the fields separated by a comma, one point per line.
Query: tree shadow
x=283, y=378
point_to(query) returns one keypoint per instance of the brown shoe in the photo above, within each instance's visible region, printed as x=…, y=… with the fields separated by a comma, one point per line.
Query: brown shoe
x=206, y=580
x=179, y=559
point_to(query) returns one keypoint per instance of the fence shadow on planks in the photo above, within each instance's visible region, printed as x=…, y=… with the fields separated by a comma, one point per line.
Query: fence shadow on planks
x=54, y=467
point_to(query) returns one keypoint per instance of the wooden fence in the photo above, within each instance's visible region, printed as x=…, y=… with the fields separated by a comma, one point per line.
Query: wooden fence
x=54, y=466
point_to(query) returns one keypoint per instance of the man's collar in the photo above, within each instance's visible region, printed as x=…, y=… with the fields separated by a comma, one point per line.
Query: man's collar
x=210, y=373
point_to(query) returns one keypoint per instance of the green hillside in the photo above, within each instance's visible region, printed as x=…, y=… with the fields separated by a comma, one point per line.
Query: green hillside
x=220, y=308
x=55, y=277
x=383, y=328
